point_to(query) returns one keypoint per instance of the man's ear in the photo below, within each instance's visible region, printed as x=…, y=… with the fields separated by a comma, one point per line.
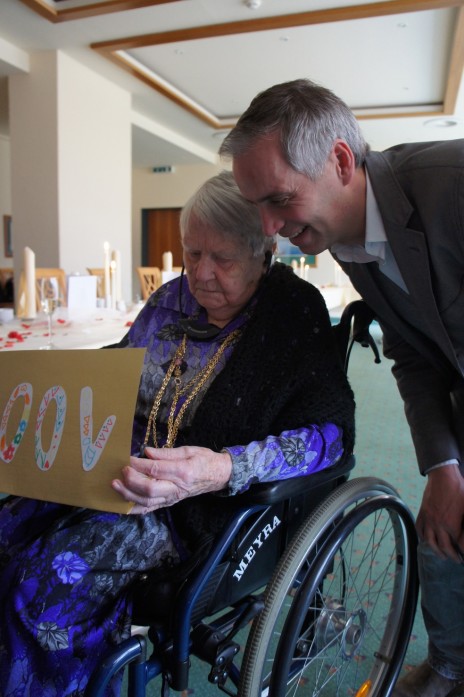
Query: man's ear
x=345, y=161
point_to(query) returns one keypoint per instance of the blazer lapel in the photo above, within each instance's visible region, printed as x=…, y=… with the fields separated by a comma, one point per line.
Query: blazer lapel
x=409, y=248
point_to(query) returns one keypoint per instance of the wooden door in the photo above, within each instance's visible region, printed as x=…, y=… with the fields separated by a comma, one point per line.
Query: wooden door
x=160, y=233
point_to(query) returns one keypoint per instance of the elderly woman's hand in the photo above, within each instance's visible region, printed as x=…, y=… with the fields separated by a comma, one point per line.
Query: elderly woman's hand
x=167, y=475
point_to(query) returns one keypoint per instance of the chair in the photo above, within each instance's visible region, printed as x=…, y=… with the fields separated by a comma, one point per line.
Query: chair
x=41, y=273
x=323, y=569
x=100, y=274
x=150, y=280
x=6, y=287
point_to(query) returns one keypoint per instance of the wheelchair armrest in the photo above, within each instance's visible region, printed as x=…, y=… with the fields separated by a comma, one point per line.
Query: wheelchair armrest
x=272, y=492
x=154, y=598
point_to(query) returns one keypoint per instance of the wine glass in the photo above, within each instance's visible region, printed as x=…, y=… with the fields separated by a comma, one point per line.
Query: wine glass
x=50, y=299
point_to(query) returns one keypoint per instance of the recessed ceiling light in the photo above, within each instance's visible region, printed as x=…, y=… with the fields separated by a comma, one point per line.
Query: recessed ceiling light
x=253, y=4
x=441, y=122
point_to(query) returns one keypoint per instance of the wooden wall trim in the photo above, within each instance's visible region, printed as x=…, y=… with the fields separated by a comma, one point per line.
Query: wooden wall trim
x=110, y=49
x=335, y=14
x=94, y=9
x=114, y=49
x=456, y=66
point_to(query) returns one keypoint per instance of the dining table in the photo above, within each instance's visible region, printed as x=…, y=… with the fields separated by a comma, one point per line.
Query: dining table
x=90, y=329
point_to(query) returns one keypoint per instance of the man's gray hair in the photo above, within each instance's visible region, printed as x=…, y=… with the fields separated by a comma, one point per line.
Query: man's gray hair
x=219, y=204
x=308, y=118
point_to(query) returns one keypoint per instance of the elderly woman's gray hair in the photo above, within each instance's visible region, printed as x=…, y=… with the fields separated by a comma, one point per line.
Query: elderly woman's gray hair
x=219, y=204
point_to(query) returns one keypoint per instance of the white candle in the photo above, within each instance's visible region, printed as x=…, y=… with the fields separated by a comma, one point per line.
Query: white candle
x=106, y=249
x=116, y=257
x=294, y=266
x=306, y=276
x=302, y=267
x=167, y=261
x=30, y=307
x=113, y=283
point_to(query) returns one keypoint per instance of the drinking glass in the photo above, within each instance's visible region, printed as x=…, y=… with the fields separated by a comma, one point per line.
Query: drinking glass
x=50, y=299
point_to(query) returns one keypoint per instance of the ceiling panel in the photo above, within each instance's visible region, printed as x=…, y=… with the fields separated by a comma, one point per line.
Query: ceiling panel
x=377, y=56
x=399, y=60
x=192, y=66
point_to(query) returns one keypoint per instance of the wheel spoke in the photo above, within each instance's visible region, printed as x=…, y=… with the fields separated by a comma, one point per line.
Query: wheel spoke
x=326, y=628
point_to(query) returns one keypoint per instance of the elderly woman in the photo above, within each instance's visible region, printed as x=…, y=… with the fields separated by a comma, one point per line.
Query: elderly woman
x=240, y=384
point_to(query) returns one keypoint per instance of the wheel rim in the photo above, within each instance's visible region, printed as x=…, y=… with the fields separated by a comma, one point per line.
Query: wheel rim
x=340, y=629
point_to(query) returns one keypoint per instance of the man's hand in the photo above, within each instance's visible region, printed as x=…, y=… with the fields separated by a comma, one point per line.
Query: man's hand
x=167, y=475
x=441, y=516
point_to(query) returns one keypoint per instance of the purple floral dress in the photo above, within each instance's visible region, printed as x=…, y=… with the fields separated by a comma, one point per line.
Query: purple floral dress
x=65, y=572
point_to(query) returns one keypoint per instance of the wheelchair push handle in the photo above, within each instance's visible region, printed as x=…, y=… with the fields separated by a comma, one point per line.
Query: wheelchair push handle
x=354, y=326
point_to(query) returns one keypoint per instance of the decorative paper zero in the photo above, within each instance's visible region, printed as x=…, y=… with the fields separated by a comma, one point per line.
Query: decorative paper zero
x=66, y=422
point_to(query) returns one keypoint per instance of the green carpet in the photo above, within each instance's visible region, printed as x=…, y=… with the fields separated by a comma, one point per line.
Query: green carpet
x=384, y=449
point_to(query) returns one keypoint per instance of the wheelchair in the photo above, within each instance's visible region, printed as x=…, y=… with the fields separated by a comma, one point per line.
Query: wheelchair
x=318, y=575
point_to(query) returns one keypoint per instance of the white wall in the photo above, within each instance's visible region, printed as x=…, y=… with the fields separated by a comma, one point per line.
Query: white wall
x=34, y=162
x=71, y=166
x=94, y=150
x=5, y=194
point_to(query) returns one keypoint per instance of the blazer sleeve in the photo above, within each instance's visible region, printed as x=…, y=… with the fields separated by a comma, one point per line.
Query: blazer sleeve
x=426, y=393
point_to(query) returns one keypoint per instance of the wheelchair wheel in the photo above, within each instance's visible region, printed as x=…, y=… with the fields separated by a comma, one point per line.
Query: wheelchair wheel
x=340, y=606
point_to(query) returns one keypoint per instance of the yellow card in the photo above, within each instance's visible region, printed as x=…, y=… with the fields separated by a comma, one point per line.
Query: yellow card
x=66, y=424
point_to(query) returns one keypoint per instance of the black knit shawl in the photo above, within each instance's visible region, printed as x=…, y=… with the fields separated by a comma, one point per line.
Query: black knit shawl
x=283, y=374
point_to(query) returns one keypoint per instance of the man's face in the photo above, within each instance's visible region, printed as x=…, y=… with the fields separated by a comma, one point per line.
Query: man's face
x=312, y=214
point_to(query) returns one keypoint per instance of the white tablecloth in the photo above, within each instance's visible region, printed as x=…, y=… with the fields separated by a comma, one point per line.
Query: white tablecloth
x=70, y=331
x=338, y=296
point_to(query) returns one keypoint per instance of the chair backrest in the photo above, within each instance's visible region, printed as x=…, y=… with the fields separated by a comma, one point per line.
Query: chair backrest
x=41, y=273
x=6, y=287
x=100, y=274
x=6, y=274
x=150, y=280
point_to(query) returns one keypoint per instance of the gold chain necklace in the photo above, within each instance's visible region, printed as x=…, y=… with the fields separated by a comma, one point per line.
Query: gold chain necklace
x=194, y=385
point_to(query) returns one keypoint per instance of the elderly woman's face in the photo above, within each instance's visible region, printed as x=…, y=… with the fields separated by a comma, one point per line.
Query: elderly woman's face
x=222, y=274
